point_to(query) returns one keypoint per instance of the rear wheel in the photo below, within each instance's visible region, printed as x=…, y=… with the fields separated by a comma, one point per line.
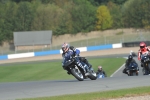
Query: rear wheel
x=144, y=71
x=137, y=73
x=148, y=68
x=130, y=73
x=77, y=73
x=92, y=75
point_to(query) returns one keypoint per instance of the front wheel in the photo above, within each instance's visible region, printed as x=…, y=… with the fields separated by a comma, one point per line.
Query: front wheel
x=77, y=73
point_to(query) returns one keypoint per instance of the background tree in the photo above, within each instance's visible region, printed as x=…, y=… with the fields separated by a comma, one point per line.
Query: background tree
x=18, y=1
x=116, y=14
x=136, y=13
x=104, y=20
x=2, y=12
x=9, y=20
x=145, y=7
x=65, y=25
x=24, y=16
x=83, y=16
x=47, y=17
x=118, y=2
x=71, y=16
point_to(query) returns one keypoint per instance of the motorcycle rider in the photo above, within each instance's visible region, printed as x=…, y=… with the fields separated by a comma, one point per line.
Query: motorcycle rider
x=68, y=54
x=127, y=63
x=143, y=49
x=81, y=58
x=76, y=52
x=100, y=70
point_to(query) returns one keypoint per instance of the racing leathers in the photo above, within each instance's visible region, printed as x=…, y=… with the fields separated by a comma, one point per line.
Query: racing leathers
x=70, y=54
x=76, y=52
x=127, y=63
x=101, y=72
x=141, y=52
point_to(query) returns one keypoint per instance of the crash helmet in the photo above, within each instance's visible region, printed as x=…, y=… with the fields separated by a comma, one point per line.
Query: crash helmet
x=142, y=45
x=130, y=57
x=99, y=67
x=65, y=47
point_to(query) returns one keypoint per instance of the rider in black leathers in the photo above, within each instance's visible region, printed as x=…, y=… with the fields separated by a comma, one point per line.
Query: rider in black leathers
x=100, y=70
x=75, y=53
x=81, y=58
x=127, y=63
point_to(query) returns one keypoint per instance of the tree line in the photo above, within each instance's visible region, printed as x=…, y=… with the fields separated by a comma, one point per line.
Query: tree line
x=71, y=16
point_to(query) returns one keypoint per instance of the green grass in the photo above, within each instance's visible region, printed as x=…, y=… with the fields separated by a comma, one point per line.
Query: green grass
x=51, y=70
x=100, y=95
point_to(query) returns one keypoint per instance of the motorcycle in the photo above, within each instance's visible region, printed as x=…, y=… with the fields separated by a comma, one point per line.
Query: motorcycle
x=133, y=69
x=145, y=61
x=73, y=67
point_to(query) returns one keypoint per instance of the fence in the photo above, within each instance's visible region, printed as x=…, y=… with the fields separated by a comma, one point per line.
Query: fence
x=102, y=40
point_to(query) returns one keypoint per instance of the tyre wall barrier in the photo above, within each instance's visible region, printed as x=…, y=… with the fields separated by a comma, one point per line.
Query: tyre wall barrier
x=54, y=52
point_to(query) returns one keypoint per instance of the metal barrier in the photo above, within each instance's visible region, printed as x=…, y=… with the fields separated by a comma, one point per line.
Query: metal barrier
x=53, y=52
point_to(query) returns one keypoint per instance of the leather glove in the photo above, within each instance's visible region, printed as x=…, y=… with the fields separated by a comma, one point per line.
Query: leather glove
x=139, y=58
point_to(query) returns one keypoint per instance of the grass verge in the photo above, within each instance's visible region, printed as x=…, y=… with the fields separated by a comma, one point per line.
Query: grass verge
x=51, y=70
x=100, y=95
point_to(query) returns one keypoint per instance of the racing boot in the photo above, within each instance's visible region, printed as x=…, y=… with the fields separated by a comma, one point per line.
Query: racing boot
x=138, y=69
x=68, y=73
x=87, y=70
x=88, y=64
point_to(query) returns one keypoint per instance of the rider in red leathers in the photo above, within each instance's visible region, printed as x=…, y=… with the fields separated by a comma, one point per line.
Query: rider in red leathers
x=143, y=49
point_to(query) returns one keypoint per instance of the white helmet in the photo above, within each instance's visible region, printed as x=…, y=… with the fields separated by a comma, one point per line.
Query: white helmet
x=65, y=47
x=100, y=67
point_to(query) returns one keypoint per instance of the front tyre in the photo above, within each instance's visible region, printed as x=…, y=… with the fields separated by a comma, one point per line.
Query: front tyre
x=77, y=73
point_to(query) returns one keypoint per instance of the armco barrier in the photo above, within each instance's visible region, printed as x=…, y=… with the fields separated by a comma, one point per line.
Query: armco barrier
x=101, y=47
x=43, y=53
x=21, y=55
x=53, y=52
x=3, y=57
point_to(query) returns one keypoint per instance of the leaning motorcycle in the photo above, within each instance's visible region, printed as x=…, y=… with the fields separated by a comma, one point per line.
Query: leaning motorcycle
x=77, y=71
x=145, y=61
x=133, y=69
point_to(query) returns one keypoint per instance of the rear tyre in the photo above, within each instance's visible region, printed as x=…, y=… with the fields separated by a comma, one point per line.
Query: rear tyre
x=92, y=75
x=144, y=71
x=148, y=68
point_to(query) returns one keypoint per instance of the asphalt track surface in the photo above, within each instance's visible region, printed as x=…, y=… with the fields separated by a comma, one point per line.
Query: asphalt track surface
x=18, y=90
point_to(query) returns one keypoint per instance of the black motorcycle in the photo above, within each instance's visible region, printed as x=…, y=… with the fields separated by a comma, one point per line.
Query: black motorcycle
x=145, y=61
x=133, y=69
x=77, y=71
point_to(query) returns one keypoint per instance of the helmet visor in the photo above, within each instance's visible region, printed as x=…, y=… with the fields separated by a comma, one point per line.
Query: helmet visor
x=63, y=48
x=100, y=68
x=141, y=47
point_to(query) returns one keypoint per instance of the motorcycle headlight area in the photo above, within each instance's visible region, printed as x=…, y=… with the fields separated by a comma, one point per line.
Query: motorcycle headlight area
x=146, y=60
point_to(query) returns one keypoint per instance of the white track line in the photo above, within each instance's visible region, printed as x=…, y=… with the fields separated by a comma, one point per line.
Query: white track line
x=118, y=69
